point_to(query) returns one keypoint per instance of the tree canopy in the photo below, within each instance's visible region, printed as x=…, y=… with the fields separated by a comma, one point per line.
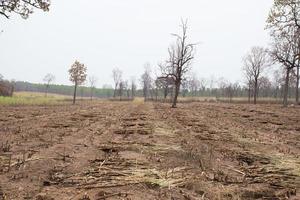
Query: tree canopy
x=22, y=7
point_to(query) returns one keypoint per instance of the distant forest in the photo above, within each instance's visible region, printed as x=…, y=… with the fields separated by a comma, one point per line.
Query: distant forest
x=223, y=91
x=63, y=89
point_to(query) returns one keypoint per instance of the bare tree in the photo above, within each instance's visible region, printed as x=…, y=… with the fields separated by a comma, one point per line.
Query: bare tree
x=284, y=24
x=133, y=87
x=211, y=84
x=48, y=79
x=285, y=50
x=285, y=14
x=77, y=76
x=278, y=82
x=180, y=56
x=165, y=84
x=117, y=76
x=127, y=88
x=249, y=81
x=202, y=84
x=1, y=77
x=22, y=7
x=255, y=63
x=92, y=80
x=146, y=81
x=264, y=85
x=122, y=87
x=194, y=84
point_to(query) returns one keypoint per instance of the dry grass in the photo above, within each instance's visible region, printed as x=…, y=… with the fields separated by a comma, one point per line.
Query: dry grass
x=31, y=98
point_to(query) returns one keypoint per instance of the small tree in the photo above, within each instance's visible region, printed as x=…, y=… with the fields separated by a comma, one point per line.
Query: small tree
x=48, y=79
x=92, y=80
x=255, y=63
x=77, y=76
x=22, y=7
x=117, y=76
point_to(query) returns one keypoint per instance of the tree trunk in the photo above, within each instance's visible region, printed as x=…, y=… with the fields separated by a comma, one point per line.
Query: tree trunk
x=177, y=88
x=297, y=85
x=255, y=90
x=249, y=93
x=74, y=96
x=12, y=90
x=166, y=92
x=115, y=90
x=91, y=94
x=46, y=92
x=286, y=87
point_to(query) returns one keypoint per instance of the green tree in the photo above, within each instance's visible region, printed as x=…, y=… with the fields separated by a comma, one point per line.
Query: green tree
x=77, y=76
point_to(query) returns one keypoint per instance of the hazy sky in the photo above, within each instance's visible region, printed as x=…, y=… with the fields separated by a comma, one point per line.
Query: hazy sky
x=104, y=34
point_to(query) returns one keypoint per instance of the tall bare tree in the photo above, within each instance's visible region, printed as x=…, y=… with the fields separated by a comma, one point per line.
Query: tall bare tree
x=77, y=76
x=179, y=63
x=117, y=76
x=249, y=82
x=255, y=63
x=285, y=50
x=284, y=24
x=22, y=7
x=48, y=79
x=92, y=80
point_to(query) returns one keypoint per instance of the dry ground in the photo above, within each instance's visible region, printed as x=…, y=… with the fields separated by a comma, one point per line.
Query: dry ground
x=136, y=150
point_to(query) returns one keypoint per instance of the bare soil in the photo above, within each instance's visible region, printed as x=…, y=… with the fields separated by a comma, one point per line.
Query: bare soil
x=136, y=150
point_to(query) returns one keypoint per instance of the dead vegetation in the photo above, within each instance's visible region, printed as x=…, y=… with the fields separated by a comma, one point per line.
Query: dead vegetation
x=134, y=150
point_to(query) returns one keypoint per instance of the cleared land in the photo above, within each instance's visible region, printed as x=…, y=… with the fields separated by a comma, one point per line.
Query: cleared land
x=136, y=150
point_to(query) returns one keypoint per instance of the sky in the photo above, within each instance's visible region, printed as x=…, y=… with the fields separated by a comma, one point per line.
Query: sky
x=105, y=34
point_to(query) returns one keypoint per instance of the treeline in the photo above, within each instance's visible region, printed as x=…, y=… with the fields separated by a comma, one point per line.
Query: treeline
x=63, y=89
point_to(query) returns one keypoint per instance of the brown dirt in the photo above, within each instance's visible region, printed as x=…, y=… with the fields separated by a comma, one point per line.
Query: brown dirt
x=135, y=150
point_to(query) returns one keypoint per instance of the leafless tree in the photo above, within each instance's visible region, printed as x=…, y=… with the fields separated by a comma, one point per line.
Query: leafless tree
x=285, y=14
x=211, y=84
x=184, y=87
x=194, y=84
x=202, y=84
x=284, y=24
x=249, y=81
x=264, y=85
x=146, y=81
x=255, y=63
x=117, y=76
x=166, y=84
x=179, y=63
x=92, y=80
x=48, y=79
x=1, y=77
x=285, y=50
x=77, y=76
x=278, y=82
x=122, y=88
x=222, y=84
x=22, y=7
x=133, y=87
